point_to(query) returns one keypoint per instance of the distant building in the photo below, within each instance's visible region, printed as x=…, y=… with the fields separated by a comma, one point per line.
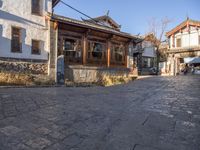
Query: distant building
x=184, y=42
x=145, y=53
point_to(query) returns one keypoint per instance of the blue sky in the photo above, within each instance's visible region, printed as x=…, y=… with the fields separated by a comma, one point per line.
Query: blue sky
x=134, y=15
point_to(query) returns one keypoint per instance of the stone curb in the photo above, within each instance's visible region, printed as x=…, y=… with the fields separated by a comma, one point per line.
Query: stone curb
x=45, y=86
x=34, y=86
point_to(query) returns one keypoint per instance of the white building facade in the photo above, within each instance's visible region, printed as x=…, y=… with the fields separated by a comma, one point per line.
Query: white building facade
x=184, y=42
x=149, y=54
x=25, y=34
x=18, y=18
x=145, y=56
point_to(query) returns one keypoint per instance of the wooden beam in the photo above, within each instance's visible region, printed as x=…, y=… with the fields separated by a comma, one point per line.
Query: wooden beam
x=108, y=53
x=173, y=40
x=55, y=25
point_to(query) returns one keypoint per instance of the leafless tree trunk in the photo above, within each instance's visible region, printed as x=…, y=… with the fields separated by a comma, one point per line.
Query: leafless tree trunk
x=157, y=29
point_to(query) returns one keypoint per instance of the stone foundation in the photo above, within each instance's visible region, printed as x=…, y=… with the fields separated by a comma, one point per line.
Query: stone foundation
x=24, y=67
x=86, y=74
x=23, y=72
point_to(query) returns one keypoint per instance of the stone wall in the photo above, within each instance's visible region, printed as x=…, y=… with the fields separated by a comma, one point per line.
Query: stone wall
x=24, y=67
x=92, y=74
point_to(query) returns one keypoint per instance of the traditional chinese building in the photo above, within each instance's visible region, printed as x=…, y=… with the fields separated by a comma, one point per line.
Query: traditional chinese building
x=184, y=42
x=90, y=48
x=34, y=41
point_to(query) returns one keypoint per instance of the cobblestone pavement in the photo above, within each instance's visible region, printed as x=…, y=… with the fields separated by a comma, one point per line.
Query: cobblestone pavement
x=157, y=113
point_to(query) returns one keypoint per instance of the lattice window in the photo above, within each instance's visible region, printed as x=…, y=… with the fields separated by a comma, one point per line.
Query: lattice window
x=72, y=50
x=96, y=50
x=118, y=54
x=16, y=40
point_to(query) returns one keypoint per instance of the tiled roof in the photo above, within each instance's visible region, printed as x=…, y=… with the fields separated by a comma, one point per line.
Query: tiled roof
x=106, y=17
x=94, y=26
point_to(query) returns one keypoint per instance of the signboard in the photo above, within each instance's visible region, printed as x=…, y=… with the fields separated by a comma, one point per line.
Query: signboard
x=60, y=70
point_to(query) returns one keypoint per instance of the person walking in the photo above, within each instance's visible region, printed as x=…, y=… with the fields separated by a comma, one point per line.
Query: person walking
x=192, y=69
x=186, y=69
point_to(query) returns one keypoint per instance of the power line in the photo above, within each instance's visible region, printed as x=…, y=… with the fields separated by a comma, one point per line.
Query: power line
x=78, y=11
x=82, y=13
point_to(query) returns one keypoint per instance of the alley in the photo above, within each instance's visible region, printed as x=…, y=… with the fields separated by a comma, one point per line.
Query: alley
x=155, y=113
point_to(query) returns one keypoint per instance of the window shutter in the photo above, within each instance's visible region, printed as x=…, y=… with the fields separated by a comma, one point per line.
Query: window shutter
x=178, y=42
x=36, y=7
x=35, y=47
x=16, y=40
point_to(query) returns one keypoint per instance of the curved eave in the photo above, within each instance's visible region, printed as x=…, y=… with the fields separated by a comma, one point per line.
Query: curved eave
x=177, y=28
x=182, y=25
x=54, y=3
x=92, y=26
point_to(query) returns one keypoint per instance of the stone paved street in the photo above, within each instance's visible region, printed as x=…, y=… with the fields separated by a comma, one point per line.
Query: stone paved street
x=157, y=113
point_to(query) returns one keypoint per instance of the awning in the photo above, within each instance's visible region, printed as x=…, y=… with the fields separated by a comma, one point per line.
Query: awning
x=196, y=60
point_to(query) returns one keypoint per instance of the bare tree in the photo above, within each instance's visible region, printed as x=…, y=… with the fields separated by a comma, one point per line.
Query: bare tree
x=155, y=34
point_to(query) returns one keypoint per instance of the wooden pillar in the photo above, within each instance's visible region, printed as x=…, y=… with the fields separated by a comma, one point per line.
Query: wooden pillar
x=126, y=55
x=173, y=41
x=84, y=49
x=108, y=53
x=55, y=25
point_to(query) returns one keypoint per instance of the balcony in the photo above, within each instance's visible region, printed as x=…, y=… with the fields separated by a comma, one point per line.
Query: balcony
x=184, y=49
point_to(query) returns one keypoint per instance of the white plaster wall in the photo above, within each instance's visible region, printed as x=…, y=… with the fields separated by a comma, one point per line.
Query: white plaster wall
x=185, y=40
x=146, y=44
x=149, y=52
x=18, y=13
x=149, y=49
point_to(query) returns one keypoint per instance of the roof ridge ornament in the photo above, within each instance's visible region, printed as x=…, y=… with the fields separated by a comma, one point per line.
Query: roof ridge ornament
x=187, y=17
x=108, y=12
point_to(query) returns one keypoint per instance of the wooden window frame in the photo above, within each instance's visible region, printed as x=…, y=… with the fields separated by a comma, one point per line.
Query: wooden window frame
x=73, y=55
x=177, y=43
x=114, y=53
x=33, y=12
x=90, y=50
x=20, y=40
x=199, y=39
x=39, y=49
